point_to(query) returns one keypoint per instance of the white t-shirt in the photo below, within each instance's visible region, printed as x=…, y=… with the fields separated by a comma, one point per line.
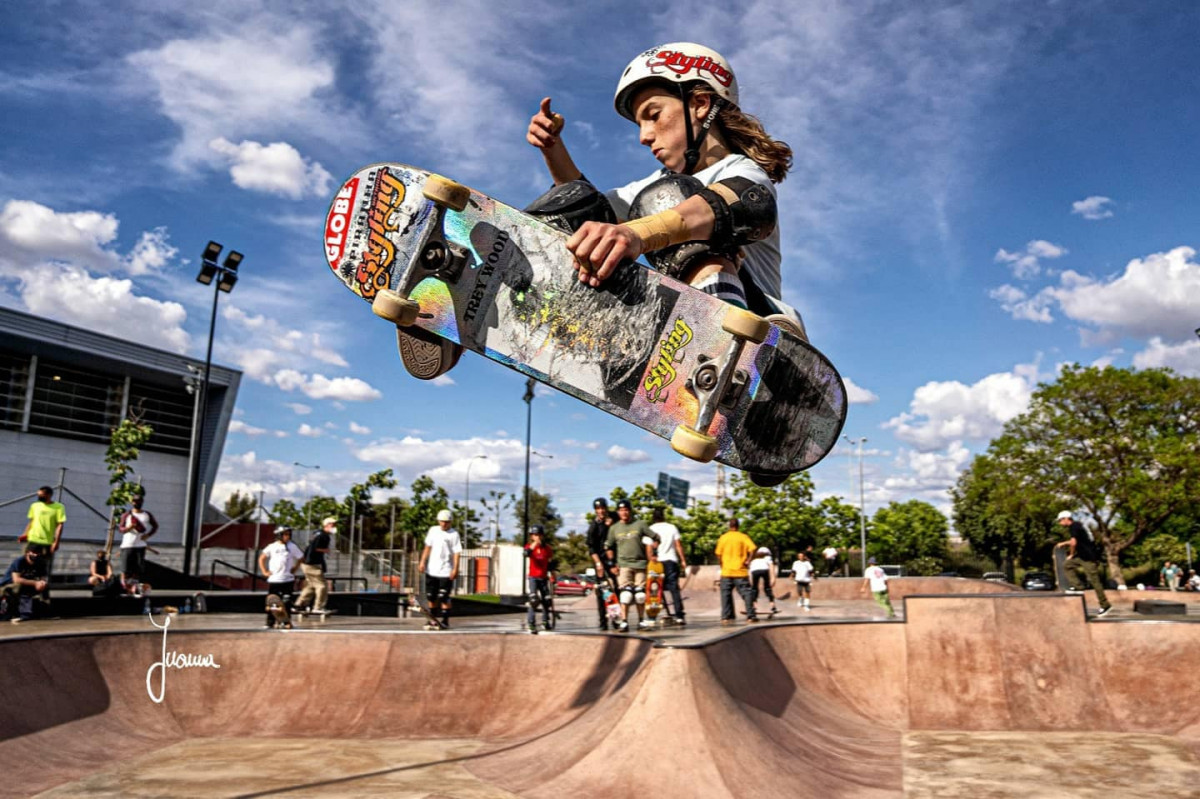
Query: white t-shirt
x=443, y=545
x=829, y=552
x=668, y=534
x=802, y=571
x=762, y=258
x=878, y=578
x=760, y=563
x=281, y=559
x=132, y=539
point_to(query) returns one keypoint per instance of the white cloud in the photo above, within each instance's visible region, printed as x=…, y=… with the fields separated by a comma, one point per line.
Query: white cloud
x=359, y=429
x=1022, y=306
x=943, y=412
x=442, y=381
x=618, y=454
x=446, y=461
x=318, y=386
x=276, y=168
x=31, y=232
x=268, y=77
x=247, y=474
x=1184, y=358
x=285, y=347
x=1093, y=207
x=857, y=395
x=299, y=408
x=106, y=304
x=238, y=426
x=151, y=253
x=1157, y=295
x=1027, y=264
x=309, y=432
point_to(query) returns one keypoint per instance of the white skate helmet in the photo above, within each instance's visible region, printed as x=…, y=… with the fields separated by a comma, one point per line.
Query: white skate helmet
x=445, y=516
x=676, y=63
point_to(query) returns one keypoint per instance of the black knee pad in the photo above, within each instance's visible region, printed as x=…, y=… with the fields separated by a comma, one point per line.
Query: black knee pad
x=665, y=193
x=568, y=206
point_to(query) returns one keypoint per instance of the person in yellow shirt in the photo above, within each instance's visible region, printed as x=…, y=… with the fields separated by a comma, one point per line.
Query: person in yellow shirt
x=46, y=519
x=735, y=549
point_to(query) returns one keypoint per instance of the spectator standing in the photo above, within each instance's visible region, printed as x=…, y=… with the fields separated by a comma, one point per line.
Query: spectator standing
x=597, y=537
x=831, y=556
x=136, y=525
x=27, y=581
x=540, y=558
x=1170, y=575
x=762, y=571
x=1083, y=557
x=734, y=550
x=632, y=544
x=804, y=574
x=316, y=590
x=439, y=564
x=876, y=579
x=278, y=562
x=45, y=527
x=670, y=555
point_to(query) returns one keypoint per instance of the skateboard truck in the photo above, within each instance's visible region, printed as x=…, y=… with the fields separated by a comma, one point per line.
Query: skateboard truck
x=718, y=384
x=439, y=258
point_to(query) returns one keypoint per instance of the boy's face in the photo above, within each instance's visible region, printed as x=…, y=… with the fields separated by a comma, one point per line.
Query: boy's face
x=44, y=496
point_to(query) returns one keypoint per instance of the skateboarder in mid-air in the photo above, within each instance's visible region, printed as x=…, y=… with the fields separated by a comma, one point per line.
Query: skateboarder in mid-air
x=439, y=564
x=708, y=215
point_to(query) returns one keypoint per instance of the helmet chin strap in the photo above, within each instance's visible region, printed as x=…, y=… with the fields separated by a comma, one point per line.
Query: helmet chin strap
x=691, y=155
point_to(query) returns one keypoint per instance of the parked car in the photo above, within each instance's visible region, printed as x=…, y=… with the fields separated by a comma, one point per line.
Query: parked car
x=573, y=585
x=995, y=577
x=1038, y=581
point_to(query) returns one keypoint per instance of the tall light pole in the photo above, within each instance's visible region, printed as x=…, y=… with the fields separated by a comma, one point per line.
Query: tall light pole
x=528, y=449
x=541, y=473
x=467, y=497
x=223, y=277
x=307, y=505
x=862, y=502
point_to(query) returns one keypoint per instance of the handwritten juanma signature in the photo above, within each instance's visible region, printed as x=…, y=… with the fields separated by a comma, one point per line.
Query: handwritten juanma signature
x=172, y=660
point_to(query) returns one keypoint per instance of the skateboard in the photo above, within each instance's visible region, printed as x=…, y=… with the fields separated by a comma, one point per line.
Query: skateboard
x=654, y=592
x=717, y=381
x=277, y=608
x=432, y=622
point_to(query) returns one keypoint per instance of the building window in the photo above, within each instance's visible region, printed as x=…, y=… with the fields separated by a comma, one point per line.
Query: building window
x=14, y=382
x=75, y=403
x=168, y=411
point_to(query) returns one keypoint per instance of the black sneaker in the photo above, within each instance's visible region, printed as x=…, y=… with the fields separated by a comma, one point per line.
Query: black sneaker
x=425, y=355
x=1104, y=611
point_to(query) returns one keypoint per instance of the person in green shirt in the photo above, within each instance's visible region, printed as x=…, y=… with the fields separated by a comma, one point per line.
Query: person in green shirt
x=46, y=519
x=632, y=544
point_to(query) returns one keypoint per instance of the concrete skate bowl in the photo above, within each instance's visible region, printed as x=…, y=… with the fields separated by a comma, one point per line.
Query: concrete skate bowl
x=972, y=695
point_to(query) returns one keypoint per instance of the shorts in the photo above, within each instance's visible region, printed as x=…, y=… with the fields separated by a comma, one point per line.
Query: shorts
x=803, y=589
x=631, y=576
x=438, y=586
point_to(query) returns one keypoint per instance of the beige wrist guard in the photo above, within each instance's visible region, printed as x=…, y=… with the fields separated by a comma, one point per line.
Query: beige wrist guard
x=661, y=229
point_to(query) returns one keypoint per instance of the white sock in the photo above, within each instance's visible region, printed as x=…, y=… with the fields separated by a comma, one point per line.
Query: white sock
x=725, y=287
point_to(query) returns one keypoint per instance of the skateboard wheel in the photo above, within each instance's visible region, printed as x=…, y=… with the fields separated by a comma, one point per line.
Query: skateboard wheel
x=692, y=444
x=747, y=325
x=396, y=309
x=444, y=191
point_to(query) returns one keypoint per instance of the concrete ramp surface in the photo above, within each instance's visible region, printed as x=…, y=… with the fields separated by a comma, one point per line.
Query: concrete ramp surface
x=986, y=695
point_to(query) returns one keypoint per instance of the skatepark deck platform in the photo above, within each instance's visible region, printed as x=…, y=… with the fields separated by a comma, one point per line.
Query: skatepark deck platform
x=970, y=695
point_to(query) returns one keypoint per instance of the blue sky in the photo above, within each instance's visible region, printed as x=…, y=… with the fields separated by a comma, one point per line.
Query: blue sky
x=981, y=193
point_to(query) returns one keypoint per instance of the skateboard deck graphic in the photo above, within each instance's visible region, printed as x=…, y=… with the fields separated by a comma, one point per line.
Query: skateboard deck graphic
x=636, y=347
x=277, y=608
x=654, y=590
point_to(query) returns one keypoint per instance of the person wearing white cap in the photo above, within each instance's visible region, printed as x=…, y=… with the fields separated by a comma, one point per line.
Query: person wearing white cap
x=1083, y=557
x=439, y=564
x=316, y=590
x=762, y=570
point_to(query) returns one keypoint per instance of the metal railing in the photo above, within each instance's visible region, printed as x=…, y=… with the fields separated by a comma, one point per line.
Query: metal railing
x=212, y=573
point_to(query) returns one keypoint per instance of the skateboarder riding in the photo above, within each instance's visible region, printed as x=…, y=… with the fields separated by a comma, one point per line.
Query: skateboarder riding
x=708, y=215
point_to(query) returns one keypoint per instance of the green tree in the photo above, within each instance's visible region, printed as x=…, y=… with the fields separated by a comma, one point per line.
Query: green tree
x=572, y=554
x=541, y=511
x=284, y=512
x=837, y=523
x=239, y=507
x=908, y=532
x=700, y=529
x=781, y=518
x=1121, y=444
x=124, y=446
x=1007, y=526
